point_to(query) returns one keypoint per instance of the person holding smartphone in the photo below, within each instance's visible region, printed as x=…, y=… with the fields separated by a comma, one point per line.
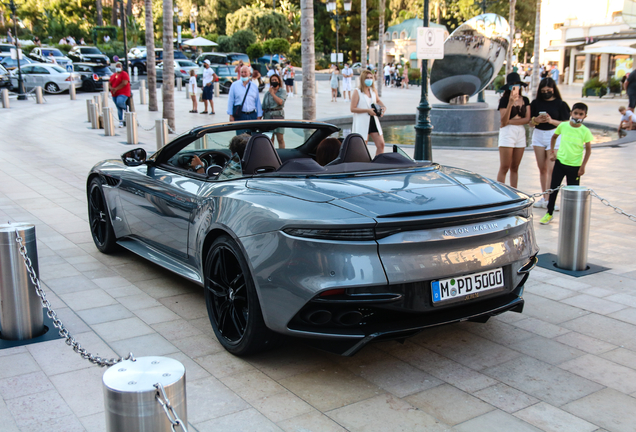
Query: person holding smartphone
x=548, y=110
x=514, y=110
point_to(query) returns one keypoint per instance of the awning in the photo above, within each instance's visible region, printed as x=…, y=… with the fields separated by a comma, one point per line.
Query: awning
x=617, y=42
x=413, y=56
x=199, y=41
x=610, y=50
x=563, y=45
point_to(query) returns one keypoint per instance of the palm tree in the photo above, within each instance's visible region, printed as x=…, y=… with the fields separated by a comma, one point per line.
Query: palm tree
x=168, y=64
x=536, y=73
x=100, y=19
x=363, y=33
x=151, y=72
x=381, y=48
x=308, y=58
x=511, y=21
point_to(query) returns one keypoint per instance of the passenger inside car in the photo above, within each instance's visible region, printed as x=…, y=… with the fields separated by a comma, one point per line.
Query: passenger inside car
x=327, y=150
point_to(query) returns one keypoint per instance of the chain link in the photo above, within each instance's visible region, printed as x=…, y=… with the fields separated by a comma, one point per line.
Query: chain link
x=63, y=331
x=546, y=192
x=163, y=400
x=147, y=130
x=618, y=210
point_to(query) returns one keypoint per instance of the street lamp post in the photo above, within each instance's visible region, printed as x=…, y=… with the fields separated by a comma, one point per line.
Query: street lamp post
x=194, y=13
x=332, y=7
x=480, y=96
x=423, y=146
x=21, y=95
x=518, y=45
x=123, y=26
x=178, y=14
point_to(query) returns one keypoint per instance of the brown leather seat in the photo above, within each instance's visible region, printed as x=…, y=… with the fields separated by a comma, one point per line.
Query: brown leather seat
x=353, y=149
x=260, y=156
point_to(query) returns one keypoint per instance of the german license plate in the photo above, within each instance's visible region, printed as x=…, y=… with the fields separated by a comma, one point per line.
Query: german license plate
x=467, y=286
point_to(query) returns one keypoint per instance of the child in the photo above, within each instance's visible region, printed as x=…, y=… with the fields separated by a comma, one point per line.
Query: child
x=628, y=119
x=192, y=88
x=569, y=160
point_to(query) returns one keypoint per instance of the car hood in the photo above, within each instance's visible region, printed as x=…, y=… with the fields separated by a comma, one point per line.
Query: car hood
x=397, y=194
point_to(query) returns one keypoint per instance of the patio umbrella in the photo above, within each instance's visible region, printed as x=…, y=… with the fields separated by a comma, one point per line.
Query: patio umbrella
x=199, y=41
x=611, y=49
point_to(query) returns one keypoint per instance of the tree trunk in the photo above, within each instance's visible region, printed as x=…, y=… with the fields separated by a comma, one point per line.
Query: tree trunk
x=381, y=48
x=100, y=18
x=308, y=58
x=168, y=64
x=129, y=6
x=113, y=14
x=363, y=33
x=511, y=21
x=151, y=72
x=536, y=73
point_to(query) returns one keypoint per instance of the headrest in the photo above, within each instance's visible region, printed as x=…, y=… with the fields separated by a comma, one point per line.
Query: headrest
x=354, y=149
x=260, y=154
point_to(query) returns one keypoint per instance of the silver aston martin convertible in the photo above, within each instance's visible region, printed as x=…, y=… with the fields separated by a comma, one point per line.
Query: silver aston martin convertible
x=341, y=255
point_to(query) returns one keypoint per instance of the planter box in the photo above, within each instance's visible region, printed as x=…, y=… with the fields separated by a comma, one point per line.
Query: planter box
x=592, y=92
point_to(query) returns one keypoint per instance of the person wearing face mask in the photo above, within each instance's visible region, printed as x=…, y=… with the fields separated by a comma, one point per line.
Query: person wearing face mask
x=273, y=103
x=119, y=85
x=547, y=111
x=243, y=102
x=365, y=118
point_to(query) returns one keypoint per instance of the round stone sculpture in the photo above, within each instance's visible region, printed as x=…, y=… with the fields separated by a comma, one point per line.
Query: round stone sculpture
x=473, y=55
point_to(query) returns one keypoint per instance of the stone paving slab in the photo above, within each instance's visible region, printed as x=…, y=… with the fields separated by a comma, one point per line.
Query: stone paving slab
x=567, y=363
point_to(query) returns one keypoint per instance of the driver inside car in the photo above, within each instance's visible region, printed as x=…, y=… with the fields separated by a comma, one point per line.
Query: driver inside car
x=192, y=163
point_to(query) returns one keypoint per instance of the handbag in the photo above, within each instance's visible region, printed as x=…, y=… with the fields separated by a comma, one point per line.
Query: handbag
x=238, y=109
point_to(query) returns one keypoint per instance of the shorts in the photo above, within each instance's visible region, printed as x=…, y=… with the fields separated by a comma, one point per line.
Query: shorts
x=542, y=138
x=512, y=136
x=346, y=84
x=289, y=82
x=207, y=92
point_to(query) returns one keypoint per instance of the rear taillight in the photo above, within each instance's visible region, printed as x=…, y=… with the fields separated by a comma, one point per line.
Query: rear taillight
x=183, y=72
x=70, y=78
x=95, y=77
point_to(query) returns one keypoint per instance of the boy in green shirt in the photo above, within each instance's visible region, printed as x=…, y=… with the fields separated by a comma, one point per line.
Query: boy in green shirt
x=569, y=160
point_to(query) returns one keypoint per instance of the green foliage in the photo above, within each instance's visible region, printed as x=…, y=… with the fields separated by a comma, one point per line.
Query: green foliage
x=266, y=23
x=322, y=63
x=279, y=46
x=615, y=85
x=211, y=37
x=255, y=51
x=113, y=48
x=225, y=44
x=597, y=87
x=414, y=74
x=242, y=39
x=499, y=82
x=295, y=54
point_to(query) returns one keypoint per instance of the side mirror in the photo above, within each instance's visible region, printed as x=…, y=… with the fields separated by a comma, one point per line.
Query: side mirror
x=134, y=157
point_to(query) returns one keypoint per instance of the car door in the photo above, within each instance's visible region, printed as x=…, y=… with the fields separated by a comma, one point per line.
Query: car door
x=159, y=72
x=28, y=77
x=40, y=75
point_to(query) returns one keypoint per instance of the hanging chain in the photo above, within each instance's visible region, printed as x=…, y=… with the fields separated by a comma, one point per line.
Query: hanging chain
x=618, y=210
x=147, y=130
x=546, y=192
x=63, y=331
x=171, y=130
x=163, y=400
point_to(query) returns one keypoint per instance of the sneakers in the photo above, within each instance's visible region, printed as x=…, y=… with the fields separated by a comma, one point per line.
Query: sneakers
x=546, y=219
x=540, y=203
x=556, y=208
x=121, y=124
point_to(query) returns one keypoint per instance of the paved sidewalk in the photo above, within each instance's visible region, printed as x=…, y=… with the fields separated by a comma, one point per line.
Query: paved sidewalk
x=568, y=363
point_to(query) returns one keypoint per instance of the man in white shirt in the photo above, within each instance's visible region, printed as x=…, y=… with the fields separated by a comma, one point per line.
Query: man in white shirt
x=106, y=38
x=387, y=75
x=243, y=102
x=347, y=74
x=208, y=78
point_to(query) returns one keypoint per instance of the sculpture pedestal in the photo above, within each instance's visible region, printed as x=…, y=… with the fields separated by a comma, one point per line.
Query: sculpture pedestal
x=469, y=119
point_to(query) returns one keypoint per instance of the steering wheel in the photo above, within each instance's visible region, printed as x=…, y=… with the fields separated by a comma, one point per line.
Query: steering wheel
x=214, y=157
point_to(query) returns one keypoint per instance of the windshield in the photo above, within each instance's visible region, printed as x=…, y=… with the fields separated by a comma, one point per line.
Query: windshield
x=179, y=55
x=234, y=58
x=224, y=71
x=102, y=70
x=5, y=48
x=186, y=63
x=3, y=70
x=294, y=137
x=90, y=50
x=55, y=52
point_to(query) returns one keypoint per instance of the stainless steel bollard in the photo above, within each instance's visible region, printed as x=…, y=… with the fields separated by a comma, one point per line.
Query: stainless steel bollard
x=106, y=87
x=39, y=97
x=217, y=89
x=162, y=132
x=88, y=109
x=5, y=98
x=179, y=83
x=295, y=88
x=109, y=124
x=130, y=397
x=98, y=103
x=106, y=94
x=21, y=315
x=131, y=128
x=574, y=228
x=71, y=91
x=94, y=116
x=188, y=91
x=142, y=92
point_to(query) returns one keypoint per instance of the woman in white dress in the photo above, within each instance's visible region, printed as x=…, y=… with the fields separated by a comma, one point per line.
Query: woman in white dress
x=333, y=83
x=365, y=120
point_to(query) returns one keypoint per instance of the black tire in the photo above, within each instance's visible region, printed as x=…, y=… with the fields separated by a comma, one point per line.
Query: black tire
x=88, y=86
x=232, y=302
x=140, y=69
x=99, y=219
x=51, y=87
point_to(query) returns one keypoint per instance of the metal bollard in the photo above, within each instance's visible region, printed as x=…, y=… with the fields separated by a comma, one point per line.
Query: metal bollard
x=21, y=315
x=162, y=132
x=217, y=89
x=142, y=92
x=106, y=86
x=179, y=83
x=131, y=128
x=130, y=395
x=295, y=89
x=88, y=109
x=98, y=102
x=105, y=94
x=39, y=97
x=94, y=116
x=574, y=229
x=109, y=124
x=71, y=91
x=188, y=91
x=5, y=98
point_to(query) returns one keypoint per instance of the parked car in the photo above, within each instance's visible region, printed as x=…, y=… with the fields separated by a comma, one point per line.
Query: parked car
x=214, y=57
x=11, y=64
x=52, y=78
x=138, y=65
x=88, y=54
x=46, y=55
x=226, y=77
x=344, y=254
x=182, y=70
x=5, y=50
x=136, y=52
x=93, y=75
x=5, y=78
x=233, y=58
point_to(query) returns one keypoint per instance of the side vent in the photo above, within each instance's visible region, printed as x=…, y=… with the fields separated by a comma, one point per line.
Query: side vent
x=110, y=181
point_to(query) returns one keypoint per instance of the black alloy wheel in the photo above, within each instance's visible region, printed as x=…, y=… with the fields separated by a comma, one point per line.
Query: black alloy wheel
x=232, y=302
x=99, y=219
